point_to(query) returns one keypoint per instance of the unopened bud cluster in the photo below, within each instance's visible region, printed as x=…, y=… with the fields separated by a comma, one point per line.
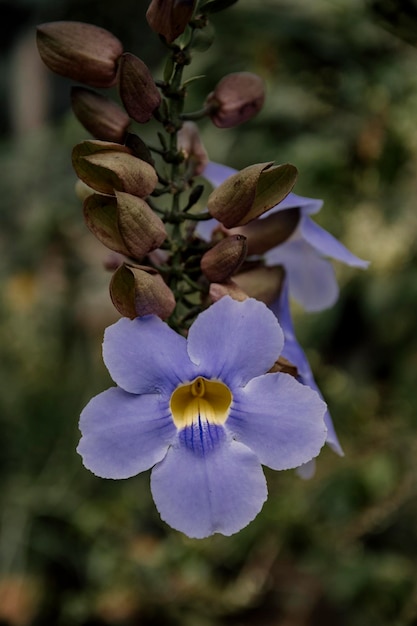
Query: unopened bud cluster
x=143, y=202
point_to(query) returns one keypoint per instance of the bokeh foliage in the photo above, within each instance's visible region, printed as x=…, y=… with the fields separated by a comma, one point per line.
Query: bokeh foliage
x=340, y=549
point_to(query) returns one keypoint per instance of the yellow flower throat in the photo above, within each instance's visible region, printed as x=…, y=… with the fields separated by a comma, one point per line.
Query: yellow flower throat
x=207, y=400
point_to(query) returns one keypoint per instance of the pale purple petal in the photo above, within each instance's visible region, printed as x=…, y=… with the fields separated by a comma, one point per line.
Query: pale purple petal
x=205, y=228
x=307, y=470
x=124, y=434
x=308, y=206
x=296, y=355
x=327, y=245
x=235, y=341
x=311, y=278
x=280, y=419
x=219, y=492
x=216, y=173
x=145, y=355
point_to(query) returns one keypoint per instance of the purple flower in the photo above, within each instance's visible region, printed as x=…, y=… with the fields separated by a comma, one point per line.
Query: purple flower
x=203, y=413
x=294, y=353
x=312, y=280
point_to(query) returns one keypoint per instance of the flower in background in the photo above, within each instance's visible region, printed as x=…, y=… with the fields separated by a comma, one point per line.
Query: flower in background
x=203, y=413
x=294, y=353
x=311, y=276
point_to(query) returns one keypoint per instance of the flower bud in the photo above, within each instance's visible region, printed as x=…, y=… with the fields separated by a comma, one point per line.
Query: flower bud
x=283, y=365
x=236, y=99
x=82, y=191
x=100, y=215
x=228, y=288
x=139, y=290
x=139, y=148
x=264, y=234
x=189, y=142
x=262, y=283
x=102, y=117
x=137, y=88
x=169, y=18
x=251, y=192
x=108, y=167
x=224, y=259
x=141, y=229
x=83, y=52
x=125, y=223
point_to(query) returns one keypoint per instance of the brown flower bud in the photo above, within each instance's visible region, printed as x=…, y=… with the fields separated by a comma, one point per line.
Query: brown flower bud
x=125, y=223
x=79, y=51
x=266, y=233
x=141, y=229
x=108, y=167
x=102, y=117
x=139, y=148
x=82, y=190
x=224, y=259
x=236, y=99
x=189, y=142
x=100, y=215
x=139, y=290
x=137, y=88
x=169, y=18
x=283, y=365
x=228, y=288
x=262, y=283
x=251, y=192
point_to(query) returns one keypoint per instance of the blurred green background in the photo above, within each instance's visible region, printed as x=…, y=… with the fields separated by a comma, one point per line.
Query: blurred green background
x=337, y=550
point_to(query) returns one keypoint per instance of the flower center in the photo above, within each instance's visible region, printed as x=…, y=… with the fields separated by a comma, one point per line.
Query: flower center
x=201, y=400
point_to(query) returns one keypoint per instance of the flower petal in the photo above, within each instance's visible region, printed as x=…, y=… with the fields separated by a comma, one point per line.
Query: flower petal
x=280, y=419
x=235, y=341
x=124, y=434
x=327, y=245
x=221, y=491
x=307, y=470
x=312, y=279
x=293, y=201
x=216, y=173
x=296, y=355
x=205, y=228
x=145, y=355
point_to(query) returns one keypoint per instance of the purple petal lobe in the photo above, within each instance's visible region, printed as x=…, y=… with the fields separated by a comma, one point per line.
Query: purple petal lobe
x=327, y=245
x=312, y=280
x=220, y=492
x=216, y=173
x=205, y=229
x=280, y=419
x=293, y=201
x=124, y=434
x=235, y=341
x=307, y=470
x=145, y=355
x=296, y=355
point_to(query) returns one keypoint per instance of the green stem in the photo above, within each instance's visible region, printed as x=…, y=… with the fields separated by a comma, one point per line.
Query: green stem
x=196, y=115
